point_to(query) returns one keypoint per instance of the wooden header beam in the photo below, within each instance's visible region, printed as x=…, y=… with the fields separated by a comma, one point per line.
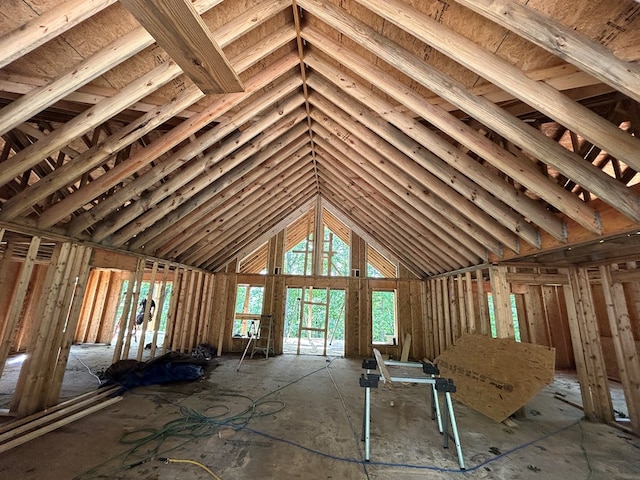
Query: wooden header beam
x=179, y=29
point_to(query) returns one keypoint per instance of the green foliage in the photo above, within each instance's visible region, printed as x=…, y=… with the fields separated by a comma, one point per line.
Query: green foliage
x=294, y=259
x=314, y=315
x=372, y=272
x=383, y=312
x=339, y=255
x=256, y=296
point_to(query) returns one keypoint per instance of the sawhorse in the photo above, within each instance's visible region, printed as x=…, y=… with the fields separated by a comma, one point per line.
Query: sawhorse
x=439, y=386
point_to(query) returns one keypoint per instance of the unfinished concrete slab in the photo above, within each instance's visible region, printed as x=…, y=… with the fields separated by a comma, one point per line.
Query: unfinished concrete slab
x=301, y=417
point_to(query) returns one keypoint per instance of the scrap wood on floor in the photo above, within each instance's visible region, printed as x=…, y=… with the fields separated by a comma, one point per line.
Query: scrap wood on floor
x=26, y=429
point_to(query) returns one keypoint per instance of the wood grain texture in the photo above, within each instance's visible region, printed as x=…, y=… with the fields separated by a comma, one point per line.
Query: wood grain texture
x=178, y=28
x=496, y=376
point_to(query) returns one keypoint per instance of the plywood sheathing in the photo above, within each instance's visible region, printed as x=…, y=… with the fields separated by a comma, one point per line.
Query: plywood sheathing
x=496, y=376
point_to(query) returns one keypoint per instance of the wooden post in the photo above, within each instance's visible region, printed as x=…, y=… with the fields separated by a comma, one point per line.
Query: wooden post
x=28, y=396
x=173, y=306
x=454, y=318
x=556, y=324
x=163, y=292
x=584, y=326
x=439, y=306
x=147, y=310
x=54, y=359
x=536, y=316
x=427, y=319
x=417, y=322
x=198, y=312
x=76, y=290
x=130, y=321
x=229, y=301
x=623, y=344
x=503, y=313
x=222, y=283
x=463, y=328
x=205, y=309
x=483, y=306
x=117, y=350
x=88, y=307
x=471, y=310
x=403, y=310
x=184, y=309
x=366, y=317
x=352, y=312
x=107, y=324
x=95, y=321
x=17, y=302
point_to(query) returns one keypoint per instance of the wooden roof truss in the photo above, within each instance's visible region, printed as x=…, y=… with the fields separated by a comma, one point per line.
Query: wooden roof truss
x=446, y=133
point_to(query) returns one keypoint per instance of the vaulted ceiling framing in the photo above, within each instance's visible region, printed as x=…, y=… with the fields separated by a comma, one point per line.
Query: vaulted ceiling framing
x=446, y=133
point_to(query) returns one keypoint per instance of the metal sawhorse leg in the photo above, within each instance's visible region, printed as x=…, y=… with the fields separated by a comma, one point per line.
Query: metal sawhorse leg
x=439, y=386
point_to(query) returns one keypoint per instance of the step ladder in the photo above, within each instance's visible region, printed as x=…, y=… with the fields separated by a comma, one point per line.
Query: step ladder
x=263, y=337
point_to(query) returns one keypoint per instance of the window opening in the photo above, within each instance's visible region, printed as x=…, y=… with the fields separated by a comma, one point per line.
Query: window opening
x=314, y=321
x=249, y=299
x=335, y=255
x=384, y=325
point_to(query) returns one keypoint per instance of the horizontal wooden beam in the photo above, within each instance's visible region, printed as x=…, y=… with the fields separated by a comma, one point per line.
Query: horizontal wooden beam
x=179, y=29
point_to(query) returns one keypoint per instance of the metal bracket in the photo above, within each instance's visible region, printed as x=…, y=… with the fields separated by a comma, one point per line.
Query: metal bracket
x=369, y=363
x=430, y=369
x=369, y=380
x=445, y=385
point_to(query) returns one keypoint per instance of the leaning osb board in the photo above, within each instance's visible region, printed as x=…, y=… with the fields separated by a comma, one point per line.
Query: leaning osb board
x=496, y=376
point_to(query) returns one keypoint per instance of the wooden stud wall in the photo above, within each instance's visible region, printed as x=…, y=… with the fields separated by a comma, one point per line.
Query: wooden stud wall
x=54, y=325
x=587, y=348
x=98, y=314
x=624, y=346
x=590, y=316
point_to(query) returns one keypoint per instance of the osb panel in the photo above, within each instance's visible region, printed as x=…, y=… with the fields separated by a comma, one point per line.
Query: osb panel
x=447, y=14
x=222, y=13
x=49, y=61
x=100, y=30
x=614, y=23
x=15, y=12
x=64, y=52
x=496, y=376
x=496, y=39
x=264, y=30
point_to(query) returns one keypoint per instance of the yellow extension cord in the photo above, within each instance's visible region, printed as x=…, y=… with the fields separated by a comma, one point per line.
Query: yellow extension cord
x=205, y=468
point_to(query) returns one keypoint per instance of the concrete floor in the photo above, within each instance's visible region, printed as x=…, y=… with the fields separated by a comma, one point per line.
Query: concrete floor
x=300, y=417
